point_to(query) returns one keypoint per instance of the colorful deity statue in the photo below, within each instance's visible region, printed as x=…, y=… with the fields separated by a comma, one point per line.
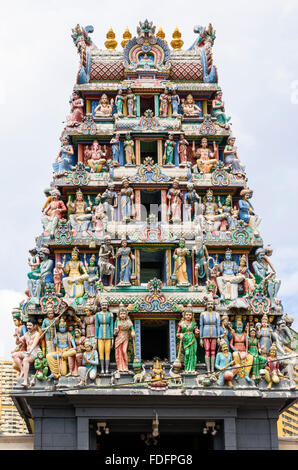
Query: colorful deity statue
x=127, y=201
x=188, y=333
x=211, y=219
x=65, y=347
x=231, y=158
x=110, y=202
x=53, y=213
x=126, y=263
x=122, y=331
x=75, y=361
x=42, y=276
x=225, y=330
x=224, y=364
x=58, y=273
x=97, y=159
x=164, y=100
x=131, y=103
x=64, y=159
x=239, y=346
x=190, y=108
x=175, y=102
x=249, y=282
x=76, y=274
x=93, y=276
x=201, y=261
x=105, y=256
x=174, y=197
x=264, y=335
x=80, y=214
x=192, y=204
x=76, y=110
x=168, y=158
x=259, y=361
x=90, y=361
x=88, y=325
x=157, y=374
x=129, y=144
x=104, y=329
x=272, y=372
x=27, y=355
x=182, y=150
x=99, y=217
x=180, y=267
x=209, y=333
x=247, y=213
x=266, y=274
x=34, y=263
x=115, y=143
x=229, y=280
x=205, y=158
x=119, y=101
x=48, y=327
x=41, y=368
x=104, y=107
x=218, y=111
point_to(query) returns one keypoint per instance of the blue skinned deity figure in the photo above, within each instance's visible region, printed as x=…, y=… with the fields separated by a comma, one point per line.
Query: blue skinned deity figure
x=126, y=263
x=175, y=102
x=229, y=279
x=115, y=142
x=225, y=331
x=126, y=201
x=92, y=271
x=247, y=213
x=192, y=204
x=42, y=276
x=265, y=274
x=65, y=348
x=224, y=364
x=64, y=160
x=89, y=364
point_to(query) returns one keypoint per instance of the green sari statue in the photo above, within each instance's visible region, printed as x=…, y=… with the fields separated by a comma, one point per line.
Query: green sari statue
x=188, y=332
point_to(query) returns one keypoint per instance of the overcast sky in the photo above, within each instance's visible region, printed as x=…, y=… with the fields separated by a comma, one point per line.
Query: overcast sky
x=256, y=54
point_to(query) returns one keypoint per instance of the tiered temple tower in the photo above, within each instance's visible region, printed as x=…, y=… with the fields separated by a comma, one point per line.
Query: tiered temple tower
x=152, y=306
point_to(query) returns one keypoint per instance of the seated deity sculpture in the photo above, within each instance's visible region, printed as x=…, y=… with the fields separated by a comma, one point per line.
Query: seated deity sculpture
x=190, y=108
x=229, y=278
x=231, y=158
x=104, y=107
x=266, y=274
x=97, y=159
x=65, y=348
x=76, y=274
x=41, y=276
x=205, y=158
x=218, y=111
x=211, y=220
x=247, y=213
x=241, y=356
x=80, y=215
x=53, y=213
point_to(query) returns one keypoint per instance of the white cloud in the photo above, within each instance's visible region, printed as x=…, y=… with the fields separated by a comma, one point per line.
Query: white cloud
x=8, y=300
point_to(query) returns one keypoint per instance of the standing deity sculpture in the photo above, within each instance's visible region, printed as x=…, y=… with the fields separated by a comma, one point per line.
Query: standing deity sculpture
x=224, y=364
x=65, y=348
x=192, y=204
x=174, y=197
x=164, y=100
x=49, y=326
x=209, y=333
x=105, y=256
x=201, y=256
x=229, y=279
x=80, y=215
x=265, y=336
x=188, y=332
x=99, y=217
x=182, y=150
x=205, y=158
x=239, y=346
x=225, y=330
x=272, y=372
x=180, y=266
x=42, y=276
x=175, y=102
x=190, y=108
x=64, y=159
x=232, y=159
x=127, y=201
x=247, y=213
x=218, y=111
x=259, y=361
x=129, y=144
x=88, y=325
x=115, y=143
x=104, y=329
x=76, y=274
x=249, y=282
x=266, y=274
x=126, y=263
x=90, y=361
x=119, y=102
x=104, y=107
x=28, y=353
x=123, y=331
x=110, y=202
x=168, y=158
x=76, y=110
x=92, y=271
x=53, y=213
x=58, y=273
x=131, y=103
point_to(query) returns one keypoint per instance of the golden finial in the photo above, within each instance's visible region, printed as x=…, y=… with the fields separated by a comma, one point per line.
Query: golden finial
x=177, y=42
x=126, y=37
x=110, y=42
x=160, y=33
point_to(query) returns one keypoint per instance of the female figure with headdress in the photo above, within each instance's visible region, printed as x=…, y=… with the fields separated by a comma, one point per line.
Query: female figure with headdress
x=123, y=330
x=126, y=259
x=205, y=158
x=180, y=268
x=92, y=271
x=218, y=110
x=131, y=103
x=164, y=100
x=174, y=197
x=182, y=150
x=249, y=282
x=169, y=151
x=119, y=101
x=53, y=213
x=188, y=332
x=232, y=159
x=80, y=214
x=126, y=201
x=247, y=213
x=129, y=150
x=115, y=142
x=76, y=110
x=104, y=107
x=253, y=348
x=76, y=274
x=89, y=364
x=64, y=160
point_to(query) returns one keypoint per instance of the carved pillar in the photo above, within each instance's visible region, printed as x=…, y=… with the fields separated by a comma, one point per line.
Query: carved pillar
x=164, y=205
x=172, y=336
x=80, y=153
x=138, y=151
x=138, y=203
x=205, y=109
x=169, y=267
x=88, y=106
x=137, y=327
x=156, y=105
x=138, y=105
x=159, y=152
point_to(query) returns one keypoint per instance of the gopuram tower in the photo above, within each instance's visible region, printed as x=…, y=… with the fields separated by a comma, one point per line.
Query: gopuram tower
x=152, y=315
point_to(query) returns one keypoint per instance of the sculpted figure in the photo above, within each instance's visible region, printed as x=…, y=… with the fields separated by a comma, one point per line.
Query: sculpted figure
x=211, y=219
x=76, y=274
x=89, y=364
x=205, y=158
x=272, y=372
x=58, y=273
x=129, y=150
x=182, y=150
x=247, y=213
x=175, y=101
x=131, y=103
x=115, y=142
x=41, y=278
x=239, y=346
x=188, y=333
x=64, y=159
x=92, y=271
x=209, y=333
x=264, y=335
x=110, y=203
x=174, y=197
x=28, y=354
x=50, y=334
x=224, y=364
x=164, y=100
x=105, y=255
x=225, y=331
x=75, y=361
x=76, y=110
x=192, y=204
x=249, y=282
x=99, y=217
x=98, y=158
x=104, y=107
x=65, y=348
x=104, y=329
x=190, y=108
x=218, y=111
x=88, y=326
x=259, y=361
x=119, y=101
x=127, y=198
x=266, y=274
x=122, y=331
x=41, y=368
x=126, y=259
x=53, y=213
x=232, y=159
x=168, y=158
x=80, y=215
x=180, y=270
x=229, y=279
x=201, y=261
